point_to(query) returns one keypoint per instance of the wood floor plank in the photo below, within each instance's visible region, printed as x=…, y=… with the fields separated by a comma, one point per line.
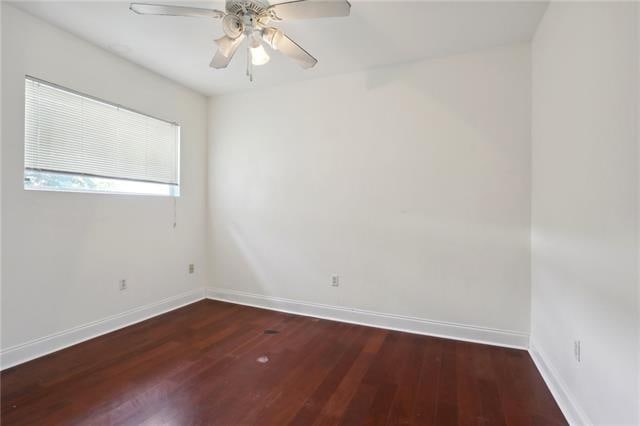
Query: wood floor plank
x=428, y=382
x=200, y=365
x=337, y=404
x=447, y=406
x=469, y=405
x=316, y=401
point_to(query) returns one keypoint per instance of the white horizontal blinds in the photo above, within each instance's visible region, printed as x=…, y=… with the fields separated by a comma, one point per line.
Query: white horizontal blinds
x=69, y=133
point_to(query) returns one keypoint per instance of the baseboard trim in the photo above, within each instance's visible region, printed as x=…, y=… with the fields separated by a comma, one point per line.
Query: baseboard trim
x=572, y=411
x=36, y=348
x=467, y=333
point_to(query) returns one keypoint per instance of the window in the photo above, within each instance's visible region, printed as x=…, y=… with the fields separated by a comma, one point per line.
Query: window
x=77, y=143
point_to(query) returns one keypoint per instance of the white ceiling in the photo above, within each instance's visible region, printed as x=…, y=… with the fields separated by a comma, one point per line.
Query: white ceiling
x=377, y=33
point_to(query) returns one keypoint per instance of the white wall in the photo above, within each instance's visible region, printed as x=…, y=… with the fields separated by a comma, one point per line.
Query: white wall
x=638, y=195
x=0, y=175
x=410, y=182
x=584, y=206
x=63, y=253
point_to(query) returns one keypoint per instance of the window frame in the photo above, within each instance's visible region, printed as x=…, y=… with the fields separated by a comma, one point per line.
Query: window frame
x=172, y=190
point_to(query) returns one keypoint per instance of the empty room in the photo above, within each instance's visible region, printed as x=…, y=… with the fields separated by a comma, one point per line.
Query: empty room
x=320, y=212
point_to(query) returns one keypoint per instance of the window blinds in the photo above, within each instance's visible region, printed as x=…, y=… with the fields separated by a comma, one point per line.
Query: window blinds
x=66, y=132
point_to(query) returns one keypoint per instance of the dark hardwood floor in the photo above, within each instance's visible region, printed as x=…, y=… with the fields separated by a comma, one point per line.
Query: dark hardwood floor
x=199, y=365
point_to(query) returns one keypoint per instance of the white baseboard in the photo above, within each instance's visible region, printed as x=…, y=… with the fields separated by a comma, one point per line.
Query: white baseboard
x=24, y=352
x=467, y=333
x=572, y=411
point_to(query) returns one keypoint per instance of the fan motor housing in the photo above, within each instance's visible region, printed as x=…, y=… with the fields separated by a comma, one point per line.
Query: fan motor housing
x=238, y=7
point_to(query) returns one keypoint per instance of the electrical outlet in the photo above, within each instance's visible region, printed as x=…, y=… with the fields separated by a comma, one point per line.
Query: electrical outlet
x=576, y=351
x=335, y=281
x=123, y=285
x=192, y=268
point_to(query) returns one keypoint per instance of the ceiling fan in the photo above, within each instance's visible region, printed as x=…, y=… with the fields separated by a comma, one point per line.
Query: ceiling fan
x=249, y=19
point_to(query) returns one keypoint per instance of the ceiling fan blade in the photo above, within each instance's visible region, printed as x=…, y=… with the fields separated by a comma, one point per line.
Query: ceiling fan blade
x=279, y=41
x=227, y=47
x=161, y=9
x=310, y=9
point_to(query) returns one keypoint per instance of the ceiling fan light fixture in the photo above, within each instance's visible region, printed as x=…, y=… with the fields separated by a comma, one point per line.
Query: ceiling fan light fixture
x=259, y=56
x=270, y=36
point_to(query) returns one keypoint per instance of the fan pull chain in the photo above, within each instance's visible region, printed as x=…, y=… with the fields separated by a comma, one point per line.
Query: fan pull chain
x=249, y=63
